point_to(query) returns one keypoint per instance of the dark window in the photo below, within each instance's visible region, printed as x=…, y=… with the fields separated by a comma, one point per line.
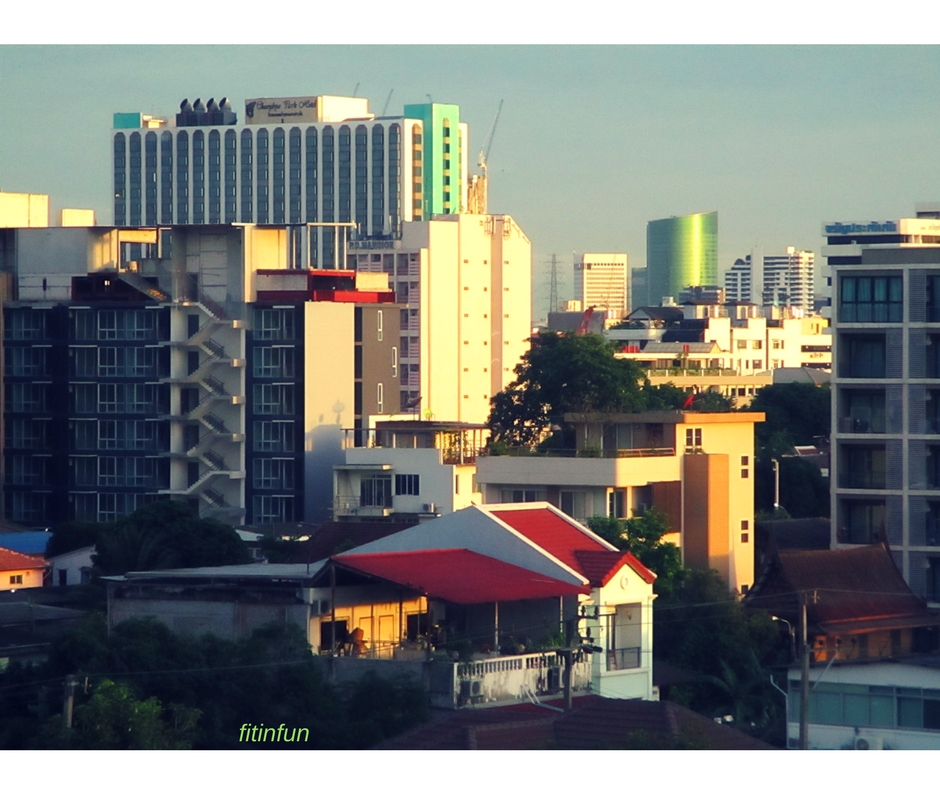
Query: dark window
x=871, y=299
x=864, y=356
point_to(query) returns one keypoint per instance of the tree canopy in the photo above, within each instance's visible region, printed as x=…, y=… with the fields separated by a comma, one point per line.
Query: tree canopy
x=797, y=413
x=568, y=373
x=166, y=534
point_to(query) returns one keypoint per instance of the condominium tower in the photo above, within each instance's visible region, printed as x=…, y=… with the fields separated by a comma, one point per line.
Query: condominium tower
x=600, y=281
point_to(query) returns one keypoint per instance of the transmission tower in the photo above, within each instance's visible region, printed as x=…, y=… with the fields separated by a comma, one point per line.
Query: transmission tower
x=553, y=287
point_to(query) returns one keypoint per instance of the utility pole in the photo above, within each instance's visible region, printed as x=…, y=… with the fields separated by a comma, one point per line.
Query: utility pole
x=68, y=700
x=553, y=287
x=804, y=679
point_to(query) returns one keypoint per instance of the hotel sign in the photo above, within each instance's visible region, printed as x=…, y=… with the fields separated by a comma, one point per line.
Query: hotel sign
x=281, y=110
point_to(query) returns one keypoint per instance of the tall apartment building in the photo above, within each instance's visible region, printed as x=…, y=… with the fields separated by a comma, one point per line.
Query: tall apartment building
x=203, y=369
x=886, y=405
x=600, y=281
x=323, y=161
x=779, y=280
x=466, y=282
x=681, y=251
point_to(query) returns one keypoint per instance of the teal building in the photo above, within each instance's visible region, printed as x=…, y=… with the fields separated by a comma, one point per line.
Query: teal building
x=439, y=155
x=681, y=251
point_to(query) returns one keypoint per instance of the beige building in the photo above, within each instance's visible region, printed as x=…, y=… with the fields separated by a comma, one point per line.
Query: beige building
x=24, y=210
x=696, y=468
x=466, y=281
x=600, y=281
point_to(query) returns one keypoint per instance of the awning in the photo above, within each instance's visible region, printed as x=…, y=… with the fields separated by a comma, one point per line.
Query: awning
x=459, y=576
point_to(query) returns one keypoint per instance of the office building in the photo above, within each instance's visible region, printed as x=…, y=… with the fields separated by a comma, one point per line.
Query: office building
x=325, y=161
x=681, y=251
x=202, y=369
x=886, y=405
x=466, y=281
x=600, y=281
x=778, y=280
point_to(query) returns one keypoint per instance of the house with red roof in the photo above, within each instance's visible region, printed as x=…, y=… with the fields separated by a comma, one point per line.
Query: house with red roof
x=488, y=604
x=18, y=570
x=491, y=582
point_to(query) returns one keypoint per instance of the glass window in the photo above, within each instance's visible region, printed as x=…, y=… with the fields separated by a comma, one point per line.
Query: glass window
x=375, y=491
x=871, y=299
x=407, y=484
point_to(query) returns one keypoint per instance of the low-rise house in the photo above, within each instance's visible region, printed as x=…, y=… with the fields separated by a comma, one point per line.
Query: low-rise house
x=18, y=570
x=695, y=468
x=72, y=568
x=486, y=604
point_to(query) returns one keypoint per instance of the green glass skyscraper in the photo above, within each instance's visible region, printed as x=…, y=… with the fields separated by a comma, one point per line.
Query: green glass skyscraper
x=681, y=251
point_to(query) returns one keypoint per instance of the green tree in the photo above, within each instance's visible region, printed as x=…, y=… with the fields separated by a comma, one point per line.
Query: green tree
x=796, y=415
x=167, y=534
x=563, y=373
x=643, y=536
x=113, y=719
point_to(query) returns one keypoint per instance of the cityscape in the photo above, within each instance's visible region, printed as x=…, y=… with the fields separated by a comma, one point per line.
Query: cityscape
x=385, y=420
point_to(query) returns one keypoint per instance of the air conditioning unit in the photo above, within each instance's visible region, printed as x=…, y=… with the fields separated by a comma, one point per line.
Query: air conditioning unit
x=430, y=507
x=868, y=743
x=471, y=689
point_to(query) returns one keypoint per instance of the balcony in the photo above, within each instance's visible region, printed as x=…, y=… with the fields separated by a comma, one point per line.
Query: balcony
x=623, y=658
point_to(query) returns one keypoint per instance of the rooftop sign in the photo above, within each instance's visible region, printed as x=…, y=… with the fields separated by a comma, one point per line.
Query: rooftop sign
x=277, y=110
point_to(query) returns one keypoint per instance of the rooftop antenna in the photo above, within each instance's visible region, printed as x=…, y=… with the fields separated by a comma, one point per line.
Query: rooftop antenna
x=356, y=90
x=430, y=100
x=385, y=108
x=485, y=155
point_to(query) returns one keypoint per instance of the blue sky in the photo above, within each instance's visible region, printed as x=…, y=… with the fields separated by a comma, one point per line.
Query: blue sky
x=592, y=143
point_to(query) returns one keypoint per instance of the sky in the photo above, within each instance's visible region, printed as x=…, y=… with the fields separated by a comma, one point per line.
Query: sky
x=592, y=142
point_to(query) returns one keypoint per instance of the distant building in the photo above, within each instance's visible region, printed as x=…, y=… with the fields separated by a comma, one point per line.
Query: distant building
x=778, y=280
x=295, y=161
x=18, y=570
x=639, y=289
x=681, y=251
x=600, y=281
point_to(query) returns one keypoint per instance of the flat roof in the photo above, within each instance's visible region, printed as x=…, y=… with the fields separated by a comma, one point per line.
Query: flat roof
x=668, y=417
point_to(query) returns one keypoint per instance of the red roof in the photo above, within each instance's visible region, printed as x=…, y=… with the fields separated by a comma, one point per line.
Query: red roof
x=594, y=559
x=458, y=575
x=599, y=568
x=11, y=560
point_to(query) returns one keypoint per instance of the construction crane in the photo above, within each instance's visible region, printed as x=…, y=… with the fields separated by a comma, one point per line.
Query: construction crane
x=585, y=322
x=479, y=190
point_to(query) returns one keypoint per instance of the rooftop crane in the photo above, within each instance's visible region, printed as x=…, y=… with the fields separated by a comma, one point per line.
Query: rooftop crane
x=485, y=154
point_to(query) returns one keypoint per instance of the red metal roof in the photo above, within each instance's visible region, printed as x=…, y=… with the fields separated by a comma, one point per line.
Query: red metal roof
x=599, y=568
x=458, y=575
x=11, y=560
x=597, y=561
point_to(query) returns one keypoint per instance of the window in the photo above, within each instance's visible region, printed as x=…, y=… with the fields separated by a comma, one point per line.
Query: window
x=379, y=325
x=863, y=356
x=268, y=509
x=745, y=538
x=273, y=436
x=407, y=484
x=693, y=437
x=273, y=399
x=870, y=299
x=276, y=324
x=16, y=580
x=380, y=397
x=757, y=344
x=744, y=460
x=742, y=344
x=744, y=473
x=273, y=474
x=375, y=491
x=394, y=362
x=862, y=521
x=274, y=362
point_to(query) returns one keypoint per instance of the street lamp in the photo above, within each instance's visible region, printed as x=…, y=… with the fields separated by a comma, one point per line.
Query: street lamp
x=792, y=634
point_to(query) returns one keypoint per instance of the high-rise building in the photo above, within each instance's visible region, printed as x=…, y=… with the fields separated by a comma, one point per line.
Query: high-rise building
x=465, y=282
x=886, y=405
x=600, y=281
x=681, y=251
x=325, y=161
x=202, y=369
x=773, y=280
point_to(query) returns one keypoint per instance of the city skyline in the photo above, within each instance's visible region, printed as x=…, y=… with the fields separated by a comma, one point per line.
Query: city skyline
x=592, y=142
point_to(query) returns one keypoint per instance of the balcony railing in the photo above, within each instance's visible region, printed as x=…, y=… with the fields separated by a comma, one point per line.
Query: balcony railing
x=521, y=451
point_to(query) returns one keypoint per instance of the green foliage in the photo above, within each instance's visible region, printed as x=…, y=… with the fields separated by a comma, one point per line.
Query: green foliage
x=147, y=684
x=167, y=534
x=705, y=630
x=796, y=414
x=803, y=490
x=643, y=536
x=563, y=374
